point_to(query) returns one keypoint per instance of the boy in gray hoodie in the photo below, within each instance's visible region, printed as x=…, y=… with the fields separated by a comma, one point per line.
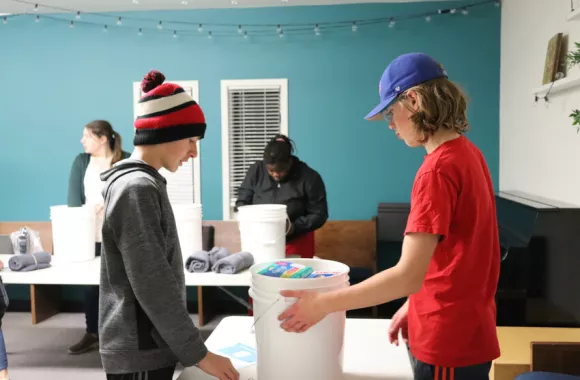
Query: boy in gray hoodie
x=144, y=326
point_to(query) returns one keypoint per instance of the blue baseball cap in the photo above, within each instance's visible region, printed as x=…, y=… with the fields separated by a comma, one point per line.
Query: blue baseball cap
x=404, y=72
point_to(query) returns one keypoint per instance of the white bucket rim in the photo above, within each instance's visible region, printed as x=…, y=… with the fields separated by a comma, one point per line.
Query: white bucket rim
x=262, y=207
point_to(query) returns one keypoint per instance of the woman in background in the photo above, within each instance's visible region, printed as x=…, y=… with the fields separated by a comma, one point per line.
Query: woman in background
x=3, y=306
x=281, y=178
x=102, y=147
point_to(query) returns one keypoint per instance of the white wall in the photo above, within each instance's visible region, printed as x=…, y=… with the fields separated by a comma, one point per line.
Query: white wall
x=539, y=148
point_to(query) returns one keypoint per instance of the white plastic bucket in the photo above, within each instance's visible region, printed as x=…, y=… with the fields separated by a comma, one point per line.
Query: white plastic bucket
x=317, y=354
x=73, y=233
x=188, y=217
x=263, y=231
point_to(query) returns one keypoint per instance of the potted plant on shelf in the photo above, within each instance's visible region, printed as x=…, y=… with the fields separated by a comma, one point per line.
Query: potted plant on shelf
x=575, y=115
x=573, y=57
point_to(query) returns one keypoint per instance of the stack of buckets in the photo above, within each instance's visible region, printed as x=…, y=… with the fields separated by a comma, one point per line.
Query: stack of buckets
x=188, y=219
x=73, y=233
x=316, y=354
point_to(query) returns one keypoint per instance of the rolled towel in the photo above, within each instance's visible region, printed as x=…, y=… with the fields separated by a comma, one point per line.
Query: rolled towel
x=234, y=263
x=198, y=262
x=29, y=261
x=216, y=254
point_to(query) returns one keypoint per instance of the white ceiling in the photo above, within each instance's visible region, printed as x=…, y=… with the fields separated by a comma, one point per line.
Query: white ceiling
x=11, y=6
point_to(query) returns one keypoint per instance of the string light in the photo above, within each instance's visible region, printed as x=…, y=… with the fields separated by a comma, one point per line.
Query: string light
x=209, y=35
x=175, y=34
x=106, y=29
x=140, y=32
x=253, y=28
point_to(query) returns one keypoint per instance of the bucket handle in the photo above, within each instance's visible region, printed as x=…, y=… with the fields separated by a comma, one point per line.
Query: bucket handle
x=273, y=241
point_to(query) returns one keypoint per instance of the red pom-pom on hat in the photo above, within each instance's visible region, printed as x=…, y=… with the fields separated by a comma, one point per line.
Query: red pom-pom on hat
x=153, y=79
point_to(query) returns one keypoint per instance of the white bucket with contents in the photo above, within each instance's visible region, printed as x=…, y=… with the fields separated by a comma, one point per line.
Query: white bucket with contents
x=188, y=217
x=263, y=231
x=73, y=233
x=316, y=354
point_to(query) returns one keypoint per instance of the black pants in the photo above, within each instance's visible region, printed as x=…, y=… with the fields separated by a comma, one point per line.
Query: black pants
x=92, y=303
x=424, y=371
x=158, y=374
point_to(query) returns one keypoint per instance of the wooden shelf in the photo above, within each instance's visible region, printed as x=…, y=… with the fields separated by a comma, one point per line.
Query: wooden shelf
x=558, y=86
x=575, y=15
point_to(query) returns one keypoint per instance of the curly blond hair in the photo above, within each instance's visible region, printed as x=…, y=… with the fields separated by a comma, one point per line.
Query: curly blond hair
x=442, y=104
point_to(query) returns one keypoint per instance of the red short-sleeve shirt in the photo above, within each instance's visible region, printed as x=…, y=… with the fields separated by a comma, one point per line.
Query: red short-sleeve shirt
x=452, y=319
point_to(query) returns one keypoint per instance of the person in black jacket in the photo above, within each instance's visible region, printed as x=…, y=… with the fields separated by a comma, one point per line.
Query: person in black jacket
x=281, y=178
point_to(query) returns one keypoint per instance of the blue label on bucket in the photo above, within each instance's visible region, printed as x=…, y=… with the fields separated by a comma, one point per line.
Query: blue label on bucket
x=240, y=352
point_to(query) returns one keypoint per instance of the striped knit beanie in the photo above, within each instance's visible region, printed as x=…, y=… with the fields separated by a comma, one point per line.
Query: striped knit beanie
x=166, y=113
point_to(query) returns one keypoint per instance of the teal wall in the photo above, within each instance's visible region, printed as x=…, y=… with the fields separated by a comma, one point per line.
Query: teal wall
x=55, y=79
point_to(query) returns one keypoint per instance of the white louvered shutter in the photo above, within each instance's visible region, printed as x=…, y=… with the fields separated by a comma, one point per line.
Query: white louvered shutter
x=183, y=186
x=256, y=112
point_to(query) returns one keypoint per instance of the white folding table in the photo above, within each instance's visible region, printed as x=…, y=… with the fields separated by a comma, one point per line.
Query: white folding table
x=45, y=284
x=368, y=355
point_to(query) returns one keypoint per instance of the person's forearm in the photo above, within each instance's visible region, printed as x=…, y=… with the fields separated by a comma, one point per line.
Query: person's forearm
x=388, y=285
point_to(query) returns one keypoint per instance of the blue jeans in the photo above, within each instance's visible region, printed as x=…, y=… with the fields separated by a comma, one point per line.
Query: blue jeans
x=3, y=356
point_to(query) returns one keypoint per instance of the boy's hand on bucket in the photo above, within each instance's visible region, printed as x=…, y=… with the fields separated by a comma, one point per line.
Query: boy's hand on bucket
x=305, y=313
x=400, y=322
x=218, y=366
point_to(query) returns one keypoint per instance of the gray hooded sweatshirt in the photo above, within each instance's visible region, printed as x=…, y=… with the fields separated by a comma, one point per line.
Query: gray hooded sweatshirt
x=143, y=319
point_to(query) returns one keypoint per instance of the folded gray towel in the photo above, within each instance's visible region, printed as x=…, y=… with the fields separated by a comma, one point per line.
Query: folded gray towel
x=234, y=263
x=216, y=254
x=198, y=262
x=29, y=261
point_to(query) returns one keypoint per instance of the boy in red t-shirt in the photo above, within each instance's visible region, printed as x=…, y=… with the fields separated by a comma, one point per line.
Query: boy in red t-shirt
x=449, y=265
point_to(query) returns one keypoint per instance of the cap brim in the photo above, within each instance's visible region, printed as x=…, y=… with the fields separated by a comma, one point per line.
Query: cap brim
x=375, y=114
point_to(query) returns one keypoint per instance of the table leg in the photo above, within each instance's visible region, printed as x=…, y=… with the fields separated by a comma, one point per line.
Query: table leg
x=44, y=302
x=204, y=307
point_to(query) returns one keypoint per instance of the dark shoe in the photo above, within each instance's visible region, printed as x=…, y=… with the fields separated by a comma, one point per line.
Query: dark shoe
x=87, y=343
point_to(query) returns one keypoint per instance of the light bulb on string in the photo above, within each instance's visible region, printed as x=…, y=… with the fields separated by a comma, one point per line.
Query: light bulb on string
x=281, y=34
x=209, y=35
x=175, y=34
x=428, y=18
x=245, y=34
x=36, y=7
x=200, y=28
x=317, y=30
x=354, y=26
x=5, y=20
x=160, y=25
x=119, y=22
x=464, y=12
x=78, y=16
x=279, y=29
x=72, y=24
x=106, y=29
x=37, y=19
x=240, y=29
x=392, y=23
x=140, y=32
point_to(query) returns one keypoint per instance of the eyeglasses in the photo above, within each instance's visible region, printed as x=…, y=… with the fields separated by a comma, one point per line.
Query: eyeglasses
x=388, y=115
